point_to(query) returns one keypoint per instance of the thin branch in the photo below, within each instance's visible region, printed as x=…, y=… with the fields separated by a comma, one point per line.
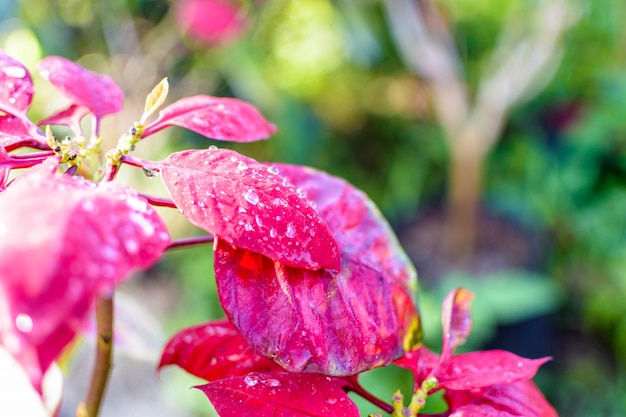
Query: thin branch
x=191, y=241
x=102, y=365
x=354, y=386
x=140, y=163
x=159, y=201
x=42, y=154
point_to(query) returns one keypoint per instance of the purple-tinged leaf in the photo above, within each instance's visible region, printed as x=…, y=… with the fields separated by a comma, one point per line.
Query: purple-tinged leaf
x=221, y=118
x=486, y=368
x=16, y=133
x=250, y=206
x=522, y=398
x=456, y=320
x=69, y=117
x=270, y=394
x=331, y=322
x=64, y=240
x=214, y=351
x=16, y=86
x=99, y=93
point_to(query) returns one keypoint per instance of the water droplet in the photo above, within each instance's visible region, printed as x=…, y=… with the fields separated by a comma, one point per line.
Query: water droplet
x=187, y=338
x=272, y=170
x=291, y=231
x=520, y=364
x=12, y=100
x=200, y=122
x=241, y=166
x=17, y=72
x=213, y=148
x=132, y=246
x=301, y=193
x=251, y=197
x=24, y=323
x=241, y=210
x=258, y=221
x=251, y=380
x=285, y=182
x=273, y=232
x=331, y=400
x=248, y=227
x=272, y=382
x=280, y=202
x=150, y=173
x=201, y=204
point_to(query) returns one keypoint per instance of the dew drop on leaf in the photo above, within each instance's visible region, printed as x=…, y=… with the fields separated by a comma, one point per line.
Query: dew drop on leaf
x=251, y=380
x=291, y=231
x=24, y=323
x=213, y=148
x=272, y=169
x=251, y=197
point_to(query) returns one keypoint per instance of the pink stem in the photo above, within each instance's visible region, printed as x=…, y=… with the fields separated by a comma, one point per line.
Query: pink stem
x=354, y=386
x=42, y=154
x=22, y=163
x=159, y=201
x=138, y=162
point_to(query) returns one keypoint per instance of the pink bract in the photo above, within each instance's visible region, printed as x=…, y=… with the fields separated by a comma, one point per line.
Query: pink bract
x=64, y=240
x=16, y=86
x=210, y=22
x=99, y=93
x=330, y=322
x=249, y=205
x=221, y=118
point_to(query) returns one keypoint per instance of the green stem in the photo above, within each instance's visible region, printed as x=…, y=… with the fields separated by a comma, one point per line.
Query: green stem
x=102, y=366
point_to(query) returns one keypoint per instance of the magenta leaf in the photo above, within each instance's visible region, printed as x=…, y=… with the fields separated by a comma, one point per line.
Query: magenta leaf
x=98, y=93
x=214, y=351
x=486, y=368
x=16, y=133
x=64, y=240
x=280, y=394
x=16, y=86
x=219, y=118
x=456, y=320
x=522, y=398
x=69, y=117
x=250, y=206
x=331, y=322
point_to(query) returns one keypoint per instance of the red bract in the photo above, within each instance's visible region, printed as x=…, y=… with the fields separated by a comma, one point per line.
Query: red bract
x=214, y=351
x=210, y=22
x=247, y=204
x=16, y=87
x=64, y=240
x=327, y=321
x=280, y=394
x=522, y=398
x=219, y=118
x=98, y=93
x=489, y=383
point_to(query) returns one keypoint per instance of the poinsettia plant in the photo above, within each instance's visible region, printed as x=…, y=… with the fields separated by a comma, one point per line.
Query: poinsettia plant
x=314, y=285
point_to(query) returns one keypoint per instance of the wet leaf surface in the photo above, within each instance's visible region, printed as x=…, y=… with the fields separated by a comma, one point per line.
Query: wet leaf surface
x=64, y=240
x=249, y=205
x=16, y=86
x=331, y=322
x=214, y=351
x=15, y=132
x=280, y=394
x=99, y=93
x=519, y=399
x=221, y=118
x=486, y=368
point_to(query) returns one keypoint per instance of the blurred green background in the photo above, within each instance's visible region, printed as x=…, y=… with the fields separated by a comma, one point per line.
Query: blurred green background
x=548, y=263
